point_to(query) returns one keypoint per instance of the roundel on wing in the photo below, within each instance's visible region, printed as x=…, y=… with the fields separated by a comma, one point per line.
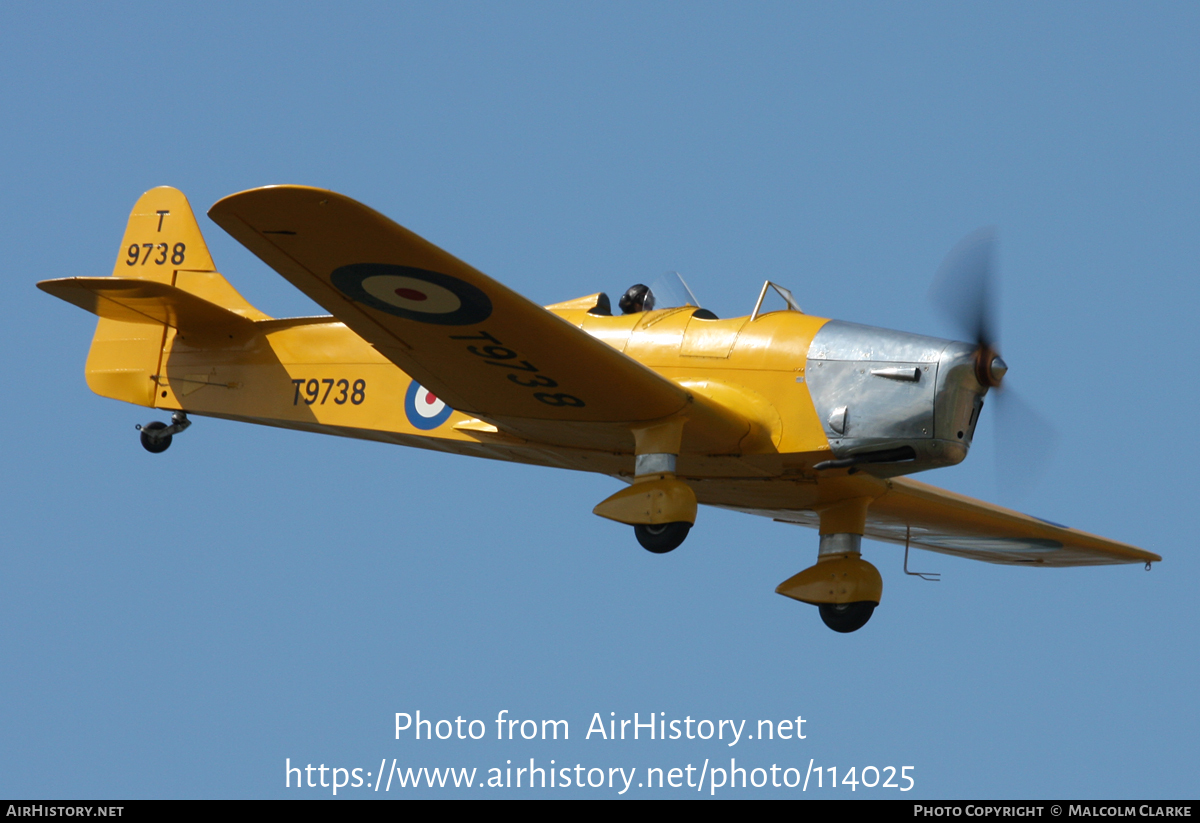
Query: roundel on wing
x=423, y=408
x=414, y=294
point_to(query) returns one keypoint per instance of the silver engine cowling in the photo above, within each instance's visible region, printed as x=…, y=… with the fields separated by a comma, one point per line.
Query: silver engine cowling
x=893, y=403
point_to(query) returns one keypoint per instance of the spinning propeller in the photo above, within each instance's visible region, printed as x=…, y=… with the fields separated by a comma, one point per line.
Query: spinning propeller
x=964, y=289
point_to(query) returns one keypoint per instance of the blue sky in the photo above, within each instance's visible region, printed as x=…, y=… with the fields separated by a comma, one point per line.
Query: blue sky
x=182, y=625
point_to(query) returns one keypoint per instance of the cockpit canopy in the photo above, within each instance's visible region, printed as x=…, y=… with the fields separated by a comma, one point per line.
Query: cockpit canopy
x=666, y=292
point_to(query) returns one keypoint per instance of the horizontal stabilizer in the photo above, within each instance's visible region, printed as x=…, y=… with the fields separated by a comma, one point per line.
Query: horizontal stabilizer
x=146, y=301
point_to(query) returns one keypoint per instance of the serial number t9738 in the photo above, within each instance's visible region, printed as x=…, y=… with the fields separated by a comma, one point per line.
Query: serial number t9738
x=311, y=390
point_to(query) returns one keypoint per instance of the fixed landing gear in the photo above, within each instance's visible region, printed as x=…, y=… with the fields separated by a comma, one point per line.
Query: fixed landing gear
x=663, y=537
x=847, y=617
x=153, y=440
x=156, y=436
x=660, y=508
x=844, y=587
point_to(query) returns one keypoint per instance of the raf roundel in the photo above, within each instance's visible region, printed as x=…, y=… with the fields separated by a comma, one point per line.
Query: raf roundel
x=423, y=408
x=414, y=294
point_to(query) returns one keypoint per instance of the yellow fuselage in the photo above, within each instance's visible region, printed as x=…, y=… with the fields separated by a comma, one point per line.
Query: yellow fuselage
x=758, y=368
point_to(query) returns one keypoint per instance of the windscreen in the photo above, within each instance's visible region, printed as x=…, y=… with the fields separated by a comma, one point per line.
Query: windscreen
x=671, y=290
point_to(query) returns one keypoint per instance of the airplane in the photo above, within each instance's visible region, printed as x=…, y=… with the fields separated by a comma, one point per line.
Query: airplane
x=781, y=414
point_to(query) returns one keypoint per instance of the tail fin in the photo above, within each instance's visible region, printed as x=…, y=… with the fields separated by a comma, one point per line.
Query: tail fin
x=162, y=235
x=162, y=244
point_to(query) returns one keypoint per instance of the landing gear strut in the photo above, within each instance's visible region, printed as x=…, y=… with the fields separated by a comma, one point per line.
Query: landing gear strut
x=660, y=507
x=156, y=436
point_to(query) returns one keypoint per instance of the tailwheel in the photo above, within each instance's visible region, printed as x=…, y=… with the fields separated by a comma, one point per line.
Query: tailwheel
x=663, y=537
x=847, y=617
x=156, y=436
x=152, y=441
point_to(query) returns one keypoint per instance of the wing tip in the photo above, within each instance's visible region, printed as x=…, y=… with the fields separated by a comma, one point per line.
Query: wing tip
x=223, y=205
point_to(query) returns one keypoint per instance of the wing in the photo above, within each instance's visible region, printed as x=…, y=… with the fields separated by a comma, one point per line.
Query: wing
x=478, y=345
x=941, y=521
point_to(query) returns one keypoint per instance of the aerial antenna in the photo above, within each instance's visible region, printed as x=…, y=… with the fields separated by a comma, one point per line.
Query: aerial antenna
x=935, y=577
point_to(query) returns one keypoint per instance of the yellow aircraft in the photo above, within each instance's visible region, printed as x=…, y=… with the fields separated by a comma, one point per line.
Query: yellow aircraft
x=781, y=414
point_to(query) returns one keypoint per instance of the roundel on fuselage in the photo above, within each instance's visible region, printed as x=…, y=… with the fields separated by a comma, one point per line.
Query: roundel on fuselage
x=423, y=408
